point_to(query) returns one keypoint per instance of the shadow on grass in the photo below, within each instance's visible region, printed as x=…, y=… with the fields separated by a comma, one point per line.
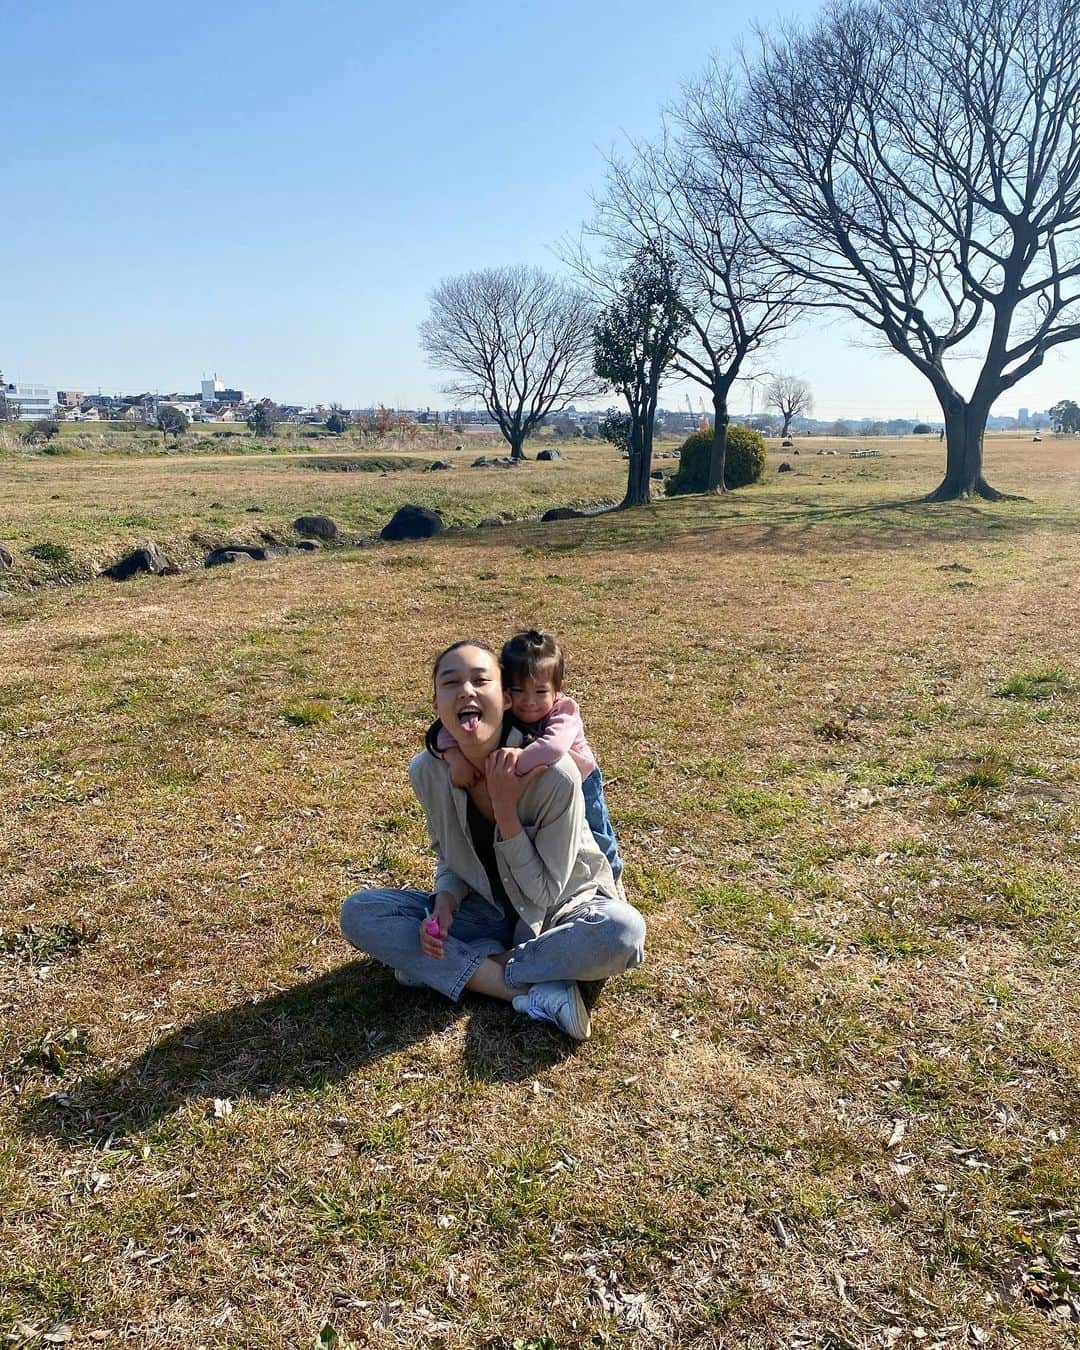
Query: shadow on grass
x=298, y=1040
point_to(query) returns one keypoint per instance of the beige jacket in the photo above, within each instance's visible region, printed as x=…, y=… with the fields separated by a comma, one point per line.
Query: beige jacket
x=550, y=869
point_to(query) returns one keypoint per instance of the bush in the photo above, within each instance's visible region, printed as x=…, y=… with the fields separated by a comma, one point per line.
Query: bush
x=745, y=460
x=50, y=553
x=42, y=431
x=922, y=429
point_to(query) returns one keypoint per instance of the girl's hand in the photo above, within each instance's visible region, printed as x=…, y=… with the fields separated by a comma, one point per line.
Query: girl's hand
x=442, y=913
x=462, y=773
x=506, y=789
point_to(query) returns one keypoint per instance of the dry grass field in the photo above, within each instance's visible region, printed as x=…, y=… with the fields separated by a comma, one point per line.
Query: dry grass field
x=838, y=1105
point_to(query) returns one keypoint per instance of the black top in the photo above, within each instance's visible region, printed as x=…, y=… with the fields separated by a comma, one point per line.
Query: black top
x=482, y=831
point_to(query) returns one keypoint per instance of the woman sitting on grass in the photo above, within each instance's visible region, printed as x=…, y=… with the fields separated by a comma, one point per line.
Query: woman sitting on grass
x=525, y=904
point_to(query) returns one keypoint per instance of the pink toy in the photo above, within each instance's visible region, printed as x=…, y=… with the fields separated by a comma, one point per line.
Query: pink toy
x=432, y=929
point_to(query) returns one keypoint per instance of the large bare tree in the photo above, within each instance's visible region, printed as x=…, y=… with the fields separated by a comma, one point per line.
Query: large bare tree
x=790, y=396
x=735, y=295
x=920, y=159
x=519, y=341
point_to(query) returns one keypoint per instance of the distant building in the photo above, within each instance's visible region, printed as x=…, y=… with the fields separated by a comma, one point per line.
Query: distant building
x=28, y=402
x=214, y=393
x=1024, y=417
x=68, y=398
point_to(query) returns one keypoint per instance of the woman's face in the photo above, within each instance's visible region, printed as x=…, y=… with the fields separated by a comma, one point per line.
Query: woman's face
x=469, y=698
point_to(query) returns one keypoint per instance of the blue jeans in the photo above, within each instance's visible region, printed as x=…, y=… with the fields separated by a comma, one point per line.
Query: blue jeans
x=603, y=938
x=596, y=814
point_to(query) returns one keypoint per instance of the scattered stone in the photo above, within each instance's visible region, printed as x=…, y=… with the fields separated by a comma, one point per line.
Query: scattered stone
x=218, y=556
x=796, y=452
x=784, y=467
x=55, y=497
x=495, y=462
x=489, y=522
x=459, y=447
x=657, y=474
x=217, y=506
x=309, y=545
x=146, y=558
x=562, y=513
x=412, y=522
x=439, y=464
x=549, y=455
x=953, y=567
x=252, y=510
x=786, y=442
x=6, y=558
x=316, y=527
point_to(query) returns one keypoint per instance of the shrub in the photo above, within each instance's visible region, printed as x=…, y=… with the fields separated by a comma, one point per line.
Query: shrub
x=745, y=460
x=42, y=431
x=50, y=553
x=922, y=429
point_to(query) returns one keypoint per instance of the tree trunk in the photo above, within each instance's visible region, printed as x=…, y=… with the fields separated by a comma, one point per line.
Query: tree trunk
x=637, y=475
x=964, y=427
x=517, y=443
x=787, y=425
x=714, y=481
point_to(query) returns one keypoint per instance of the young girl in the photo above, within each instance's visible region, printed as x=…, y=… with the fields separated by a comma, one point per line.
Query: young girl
x=532, y=673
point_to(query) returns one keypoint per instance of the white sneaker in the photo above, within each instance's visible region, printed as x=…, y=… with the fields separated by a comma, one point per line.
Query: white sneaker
x=557, y=1001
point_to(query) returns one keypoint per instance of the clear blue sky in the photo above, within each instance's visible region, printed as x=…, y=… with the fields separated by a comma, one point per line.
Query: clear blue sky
x=270, y=190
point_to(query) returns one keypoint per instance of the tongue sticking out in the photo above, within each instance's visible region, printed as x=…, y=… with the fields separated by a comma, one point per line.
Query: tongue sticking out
x=469, y=720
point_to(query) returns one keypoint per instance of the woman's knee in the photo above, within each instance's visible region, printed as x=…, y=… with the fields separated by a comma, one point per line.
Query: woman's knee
x=621, y=930
x=364, y=911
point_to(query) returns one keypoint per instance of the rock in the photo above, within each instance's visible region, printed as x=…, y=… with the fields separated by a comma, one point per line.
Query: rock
x=785, y=467
x=489, y=522
x=252, y=510
x=216, y=557
x=439, y=464
x=656, y=473
x=795, y=452
x=309, y=545
x=495, y=462
x=316, y=527
x=412, y=522
x=786, y=442
x=549, y=455
x=562, y=513
x=6, y=559
x=146, y=558
x=459, y=447
x=217, y=506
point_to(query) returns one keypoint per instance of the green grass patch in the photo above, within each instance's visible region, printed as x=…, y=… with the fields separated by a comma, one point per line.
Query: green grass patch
x=1035, y=686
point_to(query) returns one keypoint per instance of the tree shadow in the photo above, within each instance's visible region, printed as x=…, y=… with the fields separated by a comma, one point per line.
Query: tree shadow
x=303, y=1037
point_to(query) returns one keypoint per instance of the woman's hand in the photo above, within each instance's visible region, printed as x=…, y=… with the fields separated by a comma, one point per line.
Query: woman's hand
x=506, y=789
x=442, y=910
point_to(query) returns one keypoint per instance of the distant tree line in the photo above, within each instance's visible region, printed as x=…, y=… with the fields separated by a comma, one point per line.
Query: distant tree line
x=912, y=165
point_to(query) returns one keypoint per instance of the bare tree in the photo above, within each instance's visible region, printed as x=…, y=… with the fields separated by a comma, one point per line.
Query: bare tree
x=519, y=340
x=790, y=396
x=920, y=159
x=735, y=295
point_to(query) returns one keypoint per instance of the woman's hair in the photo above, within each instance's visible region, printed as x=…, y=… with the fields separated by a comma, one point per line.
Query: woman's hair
x=529, y=654
x=431, y=736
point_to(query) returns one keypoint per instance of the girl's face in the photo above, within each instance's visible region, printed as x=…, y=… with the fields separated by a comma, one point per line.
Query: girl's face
x=469, y=697
x=532, y=697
